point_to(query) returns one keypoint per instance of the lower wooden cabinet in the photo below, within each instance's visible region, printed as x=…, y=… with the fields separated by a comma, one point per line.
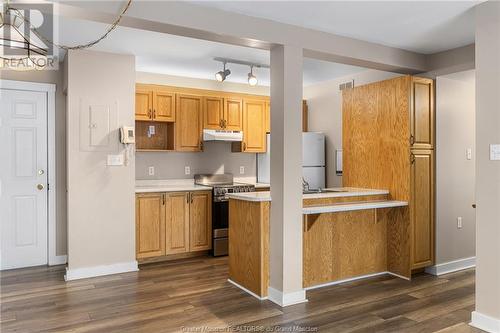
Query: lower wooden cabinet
x=173, y=223
x=200, y=221
x=150, y=225
x=422, y=208
x=177, y=223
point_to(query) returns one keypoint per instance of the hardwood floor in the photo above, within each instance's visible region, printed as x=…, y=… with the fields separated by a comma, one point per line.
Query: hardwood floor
x=194, y=293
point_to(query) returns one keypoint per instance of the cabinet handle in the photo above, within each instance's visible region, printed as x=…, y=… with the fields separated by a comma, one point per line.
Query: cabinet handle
x=225, y=123
x=244, y=146
x=412, y=140
x=220, y=123
x=201, y=145
x=191, y=197
x=154, y=113
x=163, y=199
x=412, y=158
x=187, y=197
x=150, y=114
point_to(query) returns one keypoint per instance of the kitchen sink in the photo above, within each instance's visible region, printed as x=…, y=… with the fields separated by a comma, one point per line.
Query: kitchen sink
x=322, y=190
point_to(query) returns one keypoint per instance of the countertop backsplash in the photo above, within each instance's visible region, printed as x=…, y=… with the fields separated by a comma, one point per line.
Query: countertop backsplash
x=216, y=158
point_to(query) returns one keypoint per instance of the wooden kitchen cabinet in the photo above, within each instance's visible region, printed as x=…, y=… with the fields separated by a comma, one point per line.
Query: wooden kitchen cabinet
x=150, y=225
x=189, y=123
x=254, y=128
x=177, y=223
x=163, y=106
x=143, y=104
x=223, y=113
x=305, y=120
x=422, y=113
x=233, y=114
x=213, y=112
x=268, y=117
x=173, y=223
x=422, y=207
x=200, y=221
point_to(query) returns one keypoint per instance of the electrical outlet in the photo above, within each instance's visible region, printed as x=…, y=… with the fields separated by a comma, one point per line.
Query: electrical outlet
x=187, y=170
x=469, y=153
x=151, y=170
x=242, y=170
x=459, y=222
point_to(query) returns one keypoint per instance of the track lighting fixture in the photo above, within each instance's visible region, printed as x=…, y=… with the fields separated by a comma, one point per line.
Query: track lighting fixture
x=252, y=79
x=223, y=74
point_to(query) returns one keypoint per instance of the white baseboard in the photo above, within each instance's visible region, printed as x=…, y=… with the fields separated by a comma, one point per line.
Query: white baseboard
x=287, y=299
x=58, y=260
x=452, y=266
x=485, y=323
x=88, y=272
x=247, y=291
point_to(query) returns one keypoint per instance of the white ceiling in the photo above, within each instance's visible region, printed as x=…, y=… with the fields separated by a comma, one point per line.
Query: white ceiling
x=419, y=26
x=181, y=56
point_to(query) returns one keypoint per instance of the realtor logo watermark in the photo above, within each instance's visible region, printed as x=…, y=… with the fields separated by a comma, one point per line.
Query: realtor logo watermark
x=23, y=47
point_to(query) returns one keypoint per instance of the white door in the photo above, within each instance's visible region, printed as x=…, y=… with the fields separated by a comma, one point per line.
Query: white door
x=23, y=178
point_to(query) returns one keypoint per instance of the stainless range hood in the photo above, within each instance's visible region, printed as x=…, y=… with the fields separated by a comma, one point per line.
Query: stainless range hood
x=221, y=135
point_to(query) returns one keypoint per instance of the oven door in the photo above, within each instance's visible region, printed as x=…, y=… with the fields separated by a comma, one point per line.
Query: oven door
x=220, y=224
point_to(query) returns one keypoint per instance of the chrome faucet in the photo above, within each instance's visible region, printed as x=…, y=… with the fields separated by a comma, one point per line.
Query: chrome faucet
x=305, y=185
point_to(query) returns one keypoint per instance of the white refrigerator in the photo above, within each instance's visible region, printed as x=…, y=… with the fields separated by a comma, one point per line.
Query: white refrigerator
x=313, y=160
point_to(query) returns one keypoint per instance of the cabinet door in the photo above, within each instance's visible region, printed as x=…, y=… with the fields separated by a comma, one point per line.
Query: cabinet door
x=213, y=112
x=422, y=113
x=177, y=223
x=188, y=125
x=163, y=106
x=150, y=225
x=254, y=123
x=305, y=117
x=143, y=104
x=268, y=117
x=200, y=221
x=422, y=208
x=233, y=114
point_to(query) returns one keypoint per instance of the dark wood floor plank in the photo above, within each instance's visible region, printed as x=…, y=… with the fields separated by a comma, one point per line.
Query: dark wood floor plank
x=194, y=292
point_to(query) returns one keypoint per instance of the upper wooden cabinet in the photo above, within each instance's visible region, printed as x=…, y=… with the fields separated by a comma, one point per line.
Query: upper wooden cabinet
x=154, y=104
x=150, y=225
x=233, y=114
x=268, y=117
x=177, y=223
x=223, y=113
x=422, y=207
x=143, y=104
x=213, y=112
x=200, y=221
x=254, y=126
x=189, y=123
x=422, y=113
x=163, y=106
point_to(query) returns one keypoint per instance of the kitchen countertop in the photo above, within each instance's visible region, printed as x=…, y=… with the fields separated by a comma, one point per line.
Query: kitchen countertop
x=353, y=206
x=343, y=192
x=168, y=185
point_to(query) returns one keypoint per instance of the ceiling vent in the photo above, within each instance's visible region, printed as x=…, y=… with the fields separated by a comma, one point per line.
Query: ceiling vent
x=346, y=85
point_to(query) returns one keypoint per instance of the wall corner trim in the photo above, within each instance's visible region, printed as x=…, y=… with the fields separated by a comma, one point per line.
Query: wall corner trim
x=58, y=260
x=88, y=272
x=260, y=298
x=485, y=323
x=286, y=299
x=451, y=266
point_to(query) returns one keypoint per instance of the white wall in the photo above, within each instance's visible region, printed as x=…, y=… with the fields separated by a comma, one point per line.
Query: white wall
x=325, y=113
x=56, y=77
x=101, y=199
x=455, y=175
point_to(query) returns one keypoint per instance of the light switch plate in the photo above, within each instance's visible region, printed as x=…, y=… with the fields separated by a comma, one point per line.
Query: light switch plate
x=495, y=152
x=242, y=170
x=115, y=160
x=151, y=170
x=187, y=170
x=469, y=153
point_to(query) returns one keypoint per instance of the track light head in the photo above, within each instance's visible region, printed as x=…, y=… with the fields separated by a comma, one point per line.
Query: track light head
x=252, y=79
x=222, y=75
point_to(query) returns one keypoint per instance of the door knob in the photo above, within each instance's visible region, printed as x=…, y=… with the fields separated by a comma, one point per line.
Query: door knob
x=41, y=172
x=40, y=187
